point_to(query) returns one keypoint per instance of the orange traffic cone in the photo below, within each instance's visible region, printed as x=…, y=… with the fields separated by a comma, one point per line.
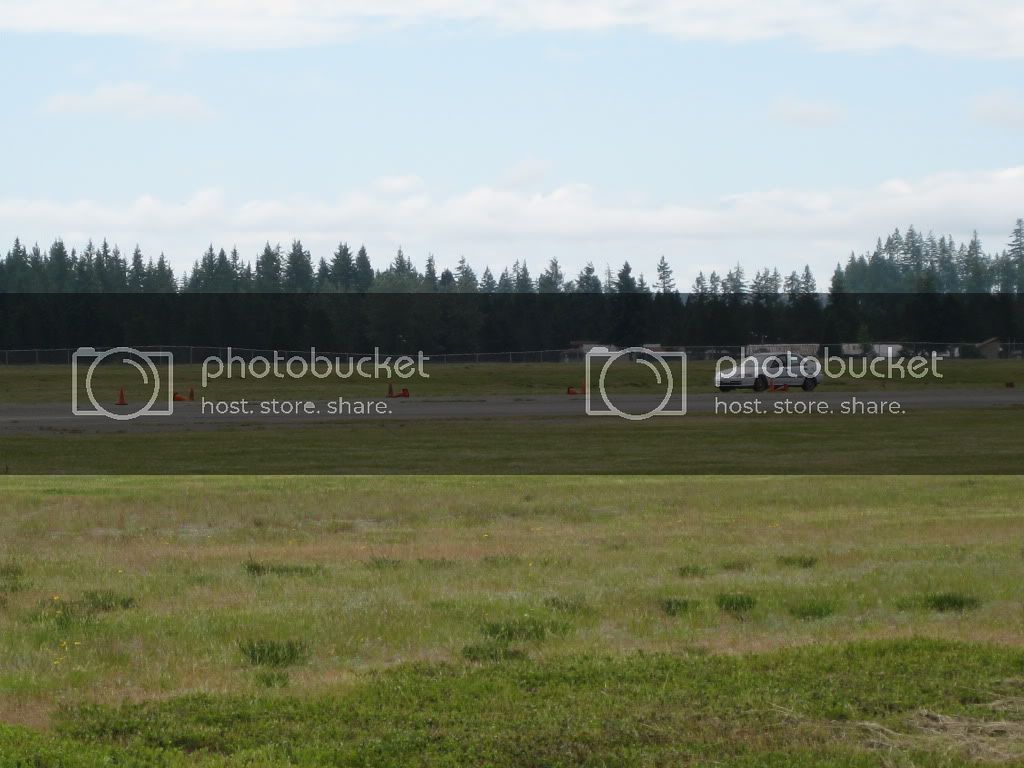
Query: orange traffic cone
x=180, y=398
x=121, y=399
x=404, y=392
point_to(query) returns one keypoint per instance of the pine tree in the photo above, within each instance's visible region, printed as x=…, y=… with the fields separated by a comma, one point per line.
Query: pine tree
x=268, y=270
x=587, y=281
x=807, y=283
x=363, y=274
x=465, y=277
x=552, y=280
x=700, y=285
x=60, y=268
x=137, y=272
x=487, y=282
x=624, y=281
x=505, y=284
x=343, y=268
x=1016, y=254
x=735, y=282
x=665, y=284
x=324, y=284
x=298, y=270
x=430, y=274
x=521, y=280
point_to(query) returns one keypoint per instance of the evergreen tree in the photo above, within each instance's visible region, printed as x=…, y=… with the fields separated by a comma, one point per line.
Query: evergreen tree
x=324, y=283
x=807, y=283
x=587, y=281
x=625, y=282
x=700, y=285
x=268, y=270
x=446, y=283
x=521, y=280
x=465, y=277
x=363, y=274
x=487, y=282
x=735, y=282
x=552, y=280
x=60, y=268
x=343, y=269
x=430, y=274
x=137, y=272
x=1016, y=254
x=505, y=284
x=298, y=270
x=665, y=284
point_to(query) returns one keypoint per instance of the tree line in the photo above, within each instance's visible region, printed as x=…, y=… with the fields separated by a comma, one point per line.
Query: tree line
x=903, y=263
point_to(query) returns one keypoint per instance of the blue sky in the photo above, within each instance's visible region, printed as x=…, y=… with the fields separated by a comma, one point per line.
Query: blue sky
x=554, y=131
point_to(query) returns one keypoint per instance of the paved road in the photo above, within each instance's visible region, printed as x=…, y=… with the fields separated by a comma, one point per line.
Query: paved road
x=57, y=419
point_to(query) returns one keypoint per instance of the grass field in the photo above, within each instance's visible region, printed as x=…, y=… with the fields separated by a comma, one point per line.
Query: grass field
x=985, y=441
x=751, y=621
x=51, y=383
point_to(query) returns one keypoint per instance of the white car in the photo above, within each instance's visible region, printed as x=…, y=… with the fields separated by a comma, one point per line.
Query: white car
x=761, y=370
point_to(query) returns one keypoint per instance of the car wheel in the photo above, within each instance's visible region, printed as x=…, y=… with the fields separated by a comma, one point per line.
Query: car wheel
x=809, y=384
x=761, y=383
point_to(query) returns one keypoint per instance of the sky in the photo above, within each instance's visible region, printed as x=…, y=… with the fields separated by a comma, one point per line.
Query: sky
x=711, y=132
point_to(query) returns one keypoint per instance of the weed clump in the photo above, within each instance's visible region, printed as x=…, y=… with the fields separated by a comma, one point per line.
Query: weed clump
x=274, y=653
x=93, y=603
x=947, y=602
x=798, y=561
x=492, y=652
x=272, y=678
x=677, y=606
x=12, y=578
x=736, y=603
x=812, y=609
x=257, y=568
x=526, y=628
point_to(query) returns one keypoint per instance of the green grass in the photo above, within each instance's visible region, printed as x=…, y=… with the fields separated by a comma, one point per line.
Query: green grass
x=847, y=706
x=51, y=383
x=951, y=442
x=273, y=653
x=531, y=621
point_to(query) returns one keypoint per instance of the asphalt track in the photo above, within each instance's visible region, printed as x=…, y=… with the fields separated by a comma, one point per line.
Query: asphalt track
x=56, y=419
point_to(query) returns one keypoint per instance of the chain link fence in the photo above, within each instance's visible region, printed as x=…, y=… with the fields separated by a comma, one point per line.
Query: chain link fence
x=195, y=355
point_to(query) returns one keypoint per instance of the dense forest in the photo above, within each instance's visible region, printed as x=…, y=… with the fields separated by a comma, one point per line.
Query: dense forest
x=903, y=263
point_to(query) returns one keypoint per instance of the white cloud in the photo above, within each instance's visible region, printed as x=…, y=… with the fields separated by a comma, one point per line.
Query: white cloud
x=135, y=100
x=810, y=114
x=496, y=224
x=983, y=27
x=1000, y=109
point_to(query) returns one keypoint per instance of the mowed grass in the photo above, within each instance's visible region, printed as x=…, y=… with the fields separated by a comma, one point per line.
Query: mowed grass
x=52, y=383
x=511, y=621
x=983, y=441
